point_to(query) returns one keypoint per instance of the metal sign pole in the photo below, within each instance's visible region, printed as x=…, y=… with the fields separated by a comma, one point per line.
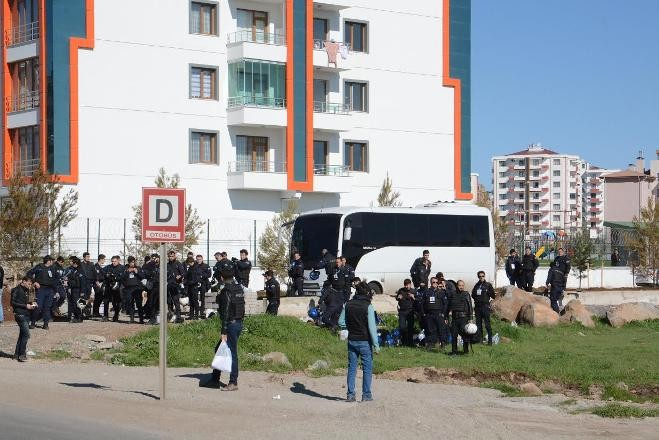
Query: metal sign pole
x=163, y=319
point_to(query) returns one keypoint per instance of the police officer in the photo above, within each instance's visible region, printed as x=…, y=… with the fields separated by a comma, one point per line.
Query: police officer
x=435, y=305
x=420, y=270
x=419, y=294
x=296, y=273
x=77, y=283
x=61, y=287
x=349, y=274
x=131, y=280
x=205, y=284
x=151, y=272
x=87, y=268
x=243, y=268
x=45, y=280
x=98, y=285
x=175, y=274
x=192, y=282
x=513, y=268
x=112, y=276
x=22, y=308
x=529, y=266
x=557, y=278
x=272, y=292
x=405, y=298
x=334, y=299
x=459, y=305
x=482, y=293
x=223, y=267
x=326, y=262
x=231, y=308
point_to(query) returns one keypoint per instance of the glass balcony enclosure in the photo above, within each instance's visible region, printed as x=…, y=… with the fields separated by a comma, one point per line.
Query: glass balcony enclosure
x=257, y=84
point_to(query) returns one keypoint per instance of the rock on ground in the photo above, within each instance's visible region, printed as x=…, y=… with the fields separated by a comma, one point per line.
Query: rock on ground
x=508, y=305
x=574, y=311
x=629, y=312
x=95, y=338
x=538, y=315
x=530, y=389
x=320, y=364
x=598, y=311
x=277, y=358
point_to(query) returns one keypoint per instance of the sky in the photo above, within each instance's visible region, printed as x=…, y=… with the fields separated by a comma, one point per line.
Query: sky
x=578, y=76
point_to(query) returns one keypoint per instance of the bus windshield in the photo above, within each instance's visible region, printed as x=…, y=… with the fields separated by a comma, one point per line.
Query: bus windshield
x=312, y=234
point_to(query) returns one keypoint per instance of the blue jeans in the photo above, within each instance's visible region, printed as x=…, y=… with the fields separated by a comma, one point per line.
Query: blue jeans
x=2, y=313
x=23, y=335
x=356, y=350
x=233, y=333
x=45, y=297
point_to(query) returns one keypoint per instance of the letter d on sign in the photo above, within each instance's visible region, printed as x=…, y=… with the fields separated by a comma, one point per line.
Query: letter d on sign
x=160, y=218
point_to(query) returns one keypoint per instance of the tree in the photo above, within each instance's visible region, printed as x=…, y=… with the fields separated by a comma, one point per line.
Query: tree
x=275, y=242
x=582, y=251
x=499, y=225
x=32, y=216
x=193, y=223
x=387, y=196
x=644, y=241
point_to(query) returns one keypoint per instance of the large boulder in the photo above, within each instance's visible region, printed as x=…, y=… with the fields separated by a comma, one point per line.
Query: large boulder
x=628, y=312
x=538, y=314
x=507, y=305
x=574, y=311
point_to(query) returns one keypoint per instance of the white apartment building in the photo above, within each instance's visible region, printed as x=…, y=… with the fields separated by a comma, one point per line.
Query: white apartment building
x=250, y=102
x=538, y=189
x=593, y=184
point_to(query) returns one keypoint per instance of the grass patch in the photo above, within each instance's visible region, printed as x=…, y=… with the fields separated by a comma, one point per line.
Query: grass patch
x=57, y=355
x=97, y=355
x=616, y=410
x=507, y=389
x=567, y=402
x=601, y=356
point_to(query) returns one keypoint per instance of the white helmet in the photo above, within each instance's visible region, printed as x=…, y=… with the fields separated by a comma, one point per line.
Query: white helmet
x=184, y=301
x=144, y=282
x=115, y=286
x=471, y=328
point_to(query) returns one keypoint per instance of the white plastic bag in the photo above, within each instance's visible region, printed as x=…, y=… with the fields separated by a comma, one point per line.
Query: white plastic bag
x=222, y=359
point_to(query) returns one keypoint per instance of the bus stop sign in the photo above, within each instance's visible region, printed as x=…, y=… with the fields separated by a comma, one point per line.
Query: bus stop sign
x=163, y=215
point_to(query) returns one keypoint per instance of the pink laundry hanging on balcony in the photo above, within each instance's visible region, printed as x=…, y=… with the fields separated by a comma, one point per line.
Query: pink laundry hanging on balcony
x=332, y=49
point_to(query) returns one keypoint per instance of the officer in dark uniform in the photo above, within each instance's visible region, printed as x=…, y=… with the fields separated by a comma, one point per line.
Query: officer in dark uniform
x=192, y=282
x=243, y=268
x=231, y=308
x=529, y=266
x=459, y=305
x=435, y=305
x=405, y=298
x=513, y=269
x=44, y=278
x=482, y=293
x=98, y=285
x=131, y=280
x=557, y=278
x=22, y=310
x=87, y=268
x=205, y=284
x=223, y=268
x=420, y=270
x=326, y=262
x=334, y=298
x=77, y=282
x=296, y=273
x=175, y=275
x=112, y=274
x=151, y=272
x=349, y=274
x=61, y=287
x=272, y=292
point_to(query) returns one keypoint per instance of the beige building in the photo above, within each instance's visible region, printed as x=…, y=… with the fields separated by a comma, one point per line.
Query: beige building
x=626, y=192
x=538, y=189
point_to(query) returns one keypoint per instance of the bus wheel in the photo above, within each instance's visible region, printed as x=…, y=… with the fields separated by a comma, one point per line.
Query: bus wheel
x=376, y=287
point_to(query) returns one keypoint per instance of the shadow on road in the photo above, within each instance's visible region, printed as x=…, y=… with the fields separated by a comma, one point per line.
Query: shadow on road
x=200, y=377
x=103, y=387
x=6, y=355
x=299, y=388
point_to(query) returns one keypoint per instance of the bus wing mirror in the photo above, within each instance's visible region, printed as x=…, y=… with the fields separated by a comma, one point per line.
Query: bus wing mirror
x=347, y=233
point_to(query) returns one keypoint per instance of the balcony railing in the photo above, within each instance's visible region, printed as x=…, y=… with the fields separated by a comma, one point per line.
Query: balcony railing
x=257, y=36
x=257, y=166
x=26, y=167
x=331, y=170
x=256, y=101
x=22, y=102
x=328, y=107
x=320, y=44
x=24, y=33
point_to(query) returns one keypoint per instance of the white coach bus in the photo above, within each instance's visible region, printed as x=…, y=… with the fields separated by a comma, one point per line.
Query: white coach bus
x=382, y=243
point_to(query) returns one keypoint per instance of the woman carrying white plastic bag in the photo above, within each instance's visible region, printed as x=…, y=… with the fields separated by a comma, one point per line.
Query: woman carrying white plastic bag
x=222, y=359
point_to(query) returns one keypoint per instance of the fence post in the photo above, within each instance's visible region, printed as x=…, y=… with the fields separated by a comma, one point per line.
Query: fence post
x=255, y=256
x=208, y=240
x=87, y=247
x=59, y=239
x=98, y=238
x=124, y=237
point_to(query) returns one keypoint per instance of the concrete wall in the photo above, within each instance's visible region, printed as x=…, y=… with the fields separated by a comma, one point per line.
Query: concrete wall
x=609, y=277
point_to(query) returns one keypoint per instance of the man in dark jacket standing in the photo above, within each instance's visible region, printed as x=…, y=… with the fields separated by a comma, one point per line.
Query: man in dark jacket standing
x=45, y=281
x=557, y=278
x=22, y=309
x=272, y=292
x=529, y=266
x=175, y=274
x=405, y=298
x=358, y=317
x=77, y=283
x=87, y=268
x=243, y=268
x=435, y=309
x=98, y=285
x=205, y=285
x=420, y=270
x=112, y=274
x=513, y=269
x=296, y=273
x=459, y=305
x=482, y=293
x=131, y=280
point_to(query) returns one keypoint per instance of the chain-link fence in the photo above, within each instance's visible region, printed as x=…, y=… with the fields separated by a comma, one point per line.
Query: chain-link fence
x=114, y=236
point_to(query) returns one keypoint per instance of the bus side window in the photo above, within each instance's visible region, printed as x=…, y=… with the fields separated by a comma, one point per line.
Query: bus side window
x=444, y=230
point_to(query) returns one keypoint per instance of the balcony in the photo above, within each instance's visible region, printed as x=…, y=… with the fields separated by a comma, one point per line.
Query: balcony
x=532, y=189
x=22, y=110
x=331, y=5
x=594, y=181
x=534, y=177
x=594, y=200
x=331, y=117
x=593, y=210
x=22, y=42
x=321, y=57
x=257, y=45
x=517, y=188
x=26, y=167
x=256, y=111
x=519, y=167
x=332, y=179
x=257, y=175
x=520, y=178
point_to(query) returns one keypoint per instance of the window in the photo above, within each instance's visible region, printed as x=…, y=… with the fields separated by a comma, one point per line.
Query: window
x=557, y=196
x=355, y=36
x=320, y=95
x=502, y=174
x=355, y=96
x=355, y=156
x=203, y=83
x=203, y=148
x=557, y=162
x=502, y=163
x=593, y=224
x=556, y=184
x=556, y=173
x=502, y=197
x=502, y=186
x=536, y=184
x=536, y=218
x=556, y=207
x=203, y=18
x=593, y=205
x=520, y=184
x=257, y=83
x=536, y=173
x=253, y=26
x=320, y=32
x=573, y=196
x=536, y=207
x=520, y=196
x=573, y=184
x=252, y=154
x=593, y=195
x=536, y=195
x=556, y=218
x=320, y=157
x=520, y=174
x=536, y=162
